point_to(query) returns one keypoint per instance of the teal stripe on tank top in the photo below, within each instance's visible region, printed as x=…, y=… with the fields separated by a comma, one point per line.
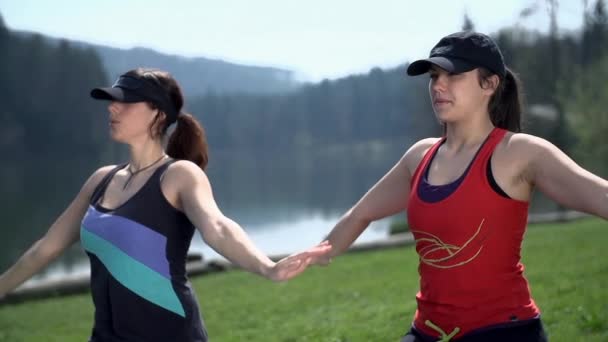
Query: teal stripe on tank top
x=132, y=274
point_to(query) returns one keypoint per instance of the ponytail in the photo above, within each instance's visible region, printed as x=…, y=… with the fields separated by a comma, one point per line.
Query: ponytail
x=506, y=103
x=188, y=141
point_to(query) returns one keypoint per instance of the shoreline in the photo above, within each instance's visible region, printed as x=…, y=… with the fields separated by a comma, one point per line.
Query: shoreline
x=197, y=265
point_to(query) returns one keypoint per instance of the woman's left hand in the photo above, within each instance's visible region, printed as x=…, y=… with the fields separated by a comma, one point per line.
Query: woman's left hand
x=295, y=264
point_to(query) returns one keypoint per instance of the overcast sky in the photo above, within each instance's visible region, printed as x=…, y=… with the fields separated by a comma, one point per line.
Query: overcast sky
x=316, y=38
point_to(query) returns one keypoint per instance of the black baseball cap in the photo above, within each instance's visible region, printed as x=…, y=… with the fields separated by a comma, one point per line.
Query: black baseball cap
x=461, y=52
x=130, y=88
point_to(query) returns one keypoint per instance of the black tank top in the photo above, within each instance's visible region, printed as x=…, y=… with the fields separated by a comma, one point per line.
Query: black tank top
x=138, y=274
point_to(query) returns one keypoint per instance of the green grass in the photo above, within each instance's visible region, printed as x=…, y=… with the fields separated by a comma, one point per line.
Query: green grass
x=365, y=296
x=399, y=226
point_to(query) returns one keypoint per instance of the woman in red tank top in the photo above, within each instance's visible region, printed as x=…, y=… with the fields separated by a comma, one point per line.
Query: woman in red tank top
x=466, y=196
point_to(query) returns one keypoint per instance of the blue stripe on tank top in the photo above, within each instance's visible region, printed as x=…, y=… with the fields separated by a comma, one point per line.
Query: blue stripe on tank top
x=134, y=239
x=132, y=274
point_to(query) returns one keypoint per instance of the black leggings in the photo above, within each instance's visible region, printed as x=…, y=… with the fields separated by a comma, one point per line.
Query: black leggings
x=530, y=331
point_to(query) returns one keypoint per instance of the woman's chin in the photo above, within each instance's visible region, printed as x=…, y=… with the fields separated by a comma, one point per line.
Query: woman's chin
x=116, y=137
x=446, y=116
x=443, y=116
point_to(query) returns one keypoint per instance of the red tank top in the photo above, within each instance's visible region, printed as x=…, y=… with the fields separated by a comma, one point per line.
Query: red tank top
x=469, y=250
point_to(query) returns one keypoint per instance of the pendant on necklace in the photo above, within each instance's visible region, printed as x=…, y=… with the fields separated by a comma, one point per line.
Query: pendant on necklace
x=133, y=174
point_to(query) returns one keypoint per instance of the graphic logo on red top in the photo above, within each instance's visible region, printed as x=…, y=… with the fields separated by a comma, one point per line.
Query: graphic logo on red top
x=436, y=253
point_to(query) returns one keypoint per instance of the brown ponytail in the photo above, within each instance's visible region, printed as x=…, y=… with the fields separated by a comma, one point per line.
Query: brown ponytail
x=506, y=103
x=188, y=141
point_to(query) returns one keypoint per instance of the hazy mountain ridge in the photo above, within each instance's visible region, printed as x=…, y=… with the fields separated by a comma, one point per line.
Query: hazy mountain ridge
x=197, y=75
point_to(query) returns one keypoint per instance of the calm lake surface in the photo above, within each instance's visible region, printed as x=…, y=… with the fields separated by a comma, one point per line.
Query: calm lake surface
x=285, y=201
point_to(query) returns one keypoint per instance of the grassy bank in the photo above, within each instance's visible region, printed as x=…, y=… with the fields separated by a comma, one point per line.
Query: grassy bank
x=365, y=296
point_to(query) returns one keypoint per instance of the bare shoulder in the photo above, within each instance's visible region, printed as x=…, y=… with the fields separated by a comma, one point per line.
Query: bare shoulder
x=525, y=154
x=524, y=145
x=184, y=173
x=424, y=144
x=97, y=176
x=416, y=152
x=102, y=171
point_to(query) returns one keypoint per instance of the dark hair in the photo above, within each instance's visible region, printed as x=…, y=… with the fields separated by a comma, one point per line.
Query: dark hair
x=506, y=103
x=188, y=141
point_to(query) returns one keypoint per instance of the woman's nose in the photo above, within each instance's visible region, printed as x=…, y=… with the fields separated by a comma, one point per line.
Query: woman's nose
x=112, y=107
x=438, y=82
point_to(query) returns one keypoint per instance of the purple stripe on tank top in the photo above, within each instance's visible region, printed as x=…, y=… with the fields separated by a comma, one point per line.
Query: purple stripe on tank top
x=434, y=193
x=136, y=240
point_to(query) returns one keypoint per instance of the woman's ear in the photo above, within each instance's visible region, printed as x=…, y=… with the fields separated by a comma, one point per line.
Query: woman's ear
x=156, y=129
x=490, y=84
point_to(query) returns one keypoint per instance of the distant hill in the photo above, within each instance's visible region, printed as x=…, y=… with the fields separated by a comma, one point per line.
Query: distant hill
x=197, y=76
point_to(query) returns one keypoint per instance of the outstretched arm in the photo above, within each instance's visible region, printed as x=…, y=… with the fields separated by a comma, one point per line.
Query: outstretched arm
x=564, y=181
x=224, y=235
x=63, y=233
x=387, y=197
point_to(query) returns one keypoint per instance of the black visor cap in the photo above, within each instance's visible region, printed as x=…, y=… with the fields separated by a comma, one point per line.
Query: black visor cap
x=460, y=52
x=453, y=65
x=131, y=89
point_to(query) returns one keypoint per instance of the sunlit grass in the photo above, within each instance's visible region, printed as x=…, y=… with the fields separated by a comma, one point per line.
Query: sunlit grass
x=366, y=296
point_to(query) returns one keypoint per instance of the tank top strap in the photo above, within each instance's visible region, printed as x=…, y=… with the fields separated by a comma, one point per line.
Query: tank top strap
x=153, y=183
x=160, y=172
x=165, y=166
x=422, y=166
x=103, y=184
x=480, y=163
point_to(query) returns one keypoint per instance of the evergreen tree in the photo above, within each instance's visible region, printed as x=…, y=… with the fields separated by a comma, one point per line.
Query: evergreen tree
x=585, y=101
x=595, y=34
x=467, y=24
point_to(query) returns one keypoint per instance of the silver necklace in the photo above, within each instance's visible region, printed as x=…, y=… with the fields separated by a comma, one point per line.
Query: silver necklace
x=134, y=173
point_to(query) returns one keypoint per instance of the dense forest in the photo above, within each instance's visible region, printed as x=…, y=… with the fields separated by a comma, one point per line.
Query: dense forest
x=46, y=107
x=559, y=74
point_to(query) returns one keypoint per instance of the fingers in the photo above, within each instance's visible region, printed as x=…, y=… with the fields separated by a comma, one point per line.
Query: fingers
x=296, y=269
x=321, y=249
x=321, y=256
x=295, y=264
x=291, y=267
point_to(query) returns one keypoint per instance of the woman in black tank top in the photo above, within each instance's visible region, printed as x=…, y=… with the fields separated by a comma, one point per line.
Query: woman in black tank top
x=136, y=220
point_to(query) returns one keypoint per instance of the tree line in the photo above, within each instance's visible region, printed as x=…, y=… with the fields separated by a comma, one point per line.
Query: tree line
x=559, y=72
x=44, y=94
x=46, y=108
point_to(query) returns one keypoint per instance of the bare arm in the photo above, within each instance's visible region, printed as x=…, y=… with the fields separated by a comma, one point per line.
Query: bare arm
x=62, y=234
x=223, y=234
x=387, y=197
x=564, y=181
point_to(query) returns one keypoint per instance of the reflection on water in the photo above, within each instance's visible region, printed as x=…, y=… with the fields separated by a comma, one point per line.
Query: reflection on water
x=273, y=239
x=288, y=237
x=286, y=202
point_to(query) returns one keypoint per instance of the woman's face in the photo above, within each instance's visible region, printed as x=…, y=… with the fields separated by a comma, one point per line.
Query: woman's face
x=456, y=97
x=130, y=121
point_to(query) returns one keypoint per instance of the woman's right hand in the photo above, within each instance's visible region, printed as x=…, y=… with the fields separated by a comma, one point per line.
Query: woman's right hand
x=321, y=259
x=293, y=265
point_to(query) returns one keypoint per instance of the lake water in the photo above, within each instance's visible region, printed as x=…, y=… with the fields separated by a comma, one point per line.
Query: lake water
x=286, y=202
